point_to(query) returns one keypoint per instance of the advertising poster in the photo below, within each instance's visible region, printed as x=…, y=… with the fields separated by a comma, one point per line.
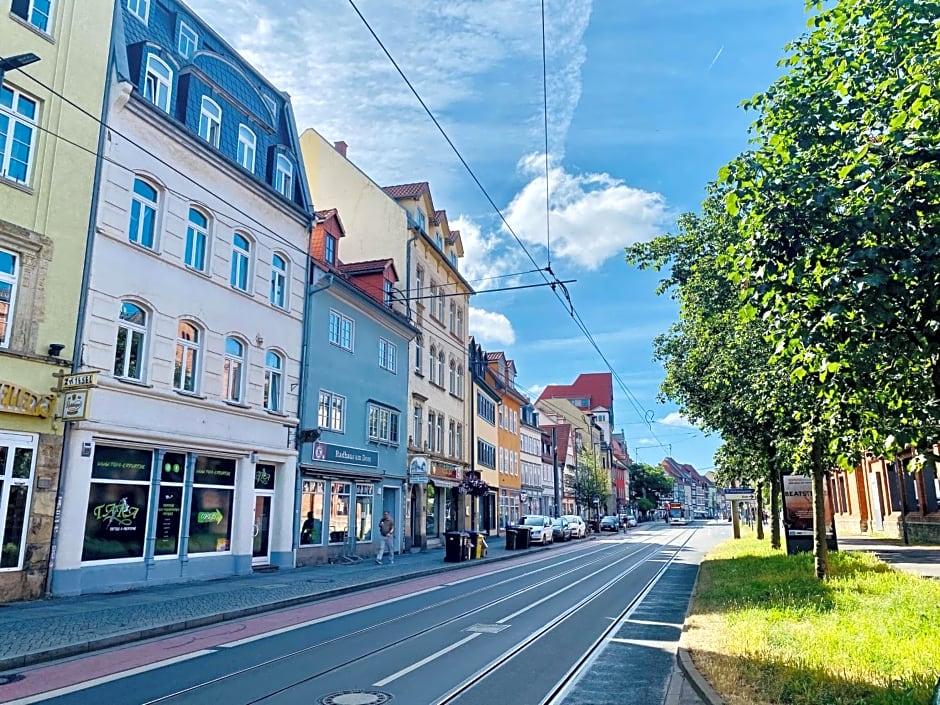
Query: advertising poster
x=798, y=513
x=116, y=523
x=167, y=530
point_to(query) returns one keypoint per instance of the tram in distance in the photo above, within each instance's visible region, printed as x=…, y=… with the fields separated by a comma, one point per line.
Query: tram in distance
x=675, y=513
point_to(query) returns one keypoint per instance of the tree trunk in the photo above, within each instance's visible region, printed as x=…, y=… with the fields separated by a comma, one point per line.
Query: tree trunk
x=774, y=503
x=760, y=511
x=820, y=548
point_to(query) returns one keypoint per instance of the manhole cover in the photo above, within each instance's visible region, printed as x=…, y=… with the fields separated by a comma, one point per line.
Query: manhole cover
x=11, y=678
x=355, y=697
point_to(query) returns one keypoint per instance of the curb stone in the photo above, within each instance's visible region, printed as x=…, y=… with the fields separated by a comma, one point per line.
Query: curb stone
x=684, y=659
x=112, y=640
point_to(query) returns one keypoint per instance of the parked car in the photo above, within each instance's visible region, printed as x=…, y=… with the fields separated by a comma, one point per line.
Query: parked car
x=540, y=527
x=577, y=526
x=610, y=524
x=561, y=530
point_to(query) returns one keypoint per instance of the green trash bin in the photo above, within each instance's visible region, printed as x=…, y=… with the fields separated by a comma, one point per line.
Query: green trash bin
x=524, y=537
x=511, y=534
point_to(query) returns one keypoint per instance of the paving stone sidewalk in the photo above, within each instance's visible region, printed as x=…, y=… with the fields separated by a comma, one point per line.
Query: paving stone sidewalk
x=32, y=632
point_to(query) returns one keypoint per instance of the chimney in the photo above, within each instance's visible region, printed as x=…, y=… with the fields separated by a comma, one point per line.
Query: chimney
x=340, y=147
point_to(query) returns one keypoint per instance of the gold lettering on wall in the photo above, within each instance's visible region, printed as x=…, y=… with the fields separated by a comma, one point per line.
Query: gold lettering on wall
x=20, y=400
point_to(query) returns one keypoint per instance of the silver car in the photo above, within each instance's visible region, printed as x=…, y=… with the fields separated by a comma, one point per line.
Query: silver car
x=577, y=526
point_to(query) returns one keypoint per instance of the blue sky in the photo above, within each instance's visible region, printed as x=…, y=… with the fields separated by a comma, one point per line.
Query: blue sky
x=643, y=108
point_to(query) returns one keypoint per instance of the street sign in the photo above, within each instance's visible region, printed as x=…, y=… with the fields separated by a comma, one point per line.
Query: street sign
x=739, y=493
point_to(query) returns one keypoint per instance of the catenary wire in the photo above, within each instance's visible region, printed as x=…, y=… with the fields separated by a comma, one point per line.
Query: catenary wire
x=548, y=210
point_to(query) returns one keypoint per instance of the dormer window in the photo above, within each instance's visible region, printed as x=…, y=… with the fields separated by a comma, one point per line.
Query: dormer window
x=439, y=241
x=210, y=121
x=387, y=291
x=188, y=40
x=329, y=249
x=284, y=176
x=158, y=83
x=419, y=217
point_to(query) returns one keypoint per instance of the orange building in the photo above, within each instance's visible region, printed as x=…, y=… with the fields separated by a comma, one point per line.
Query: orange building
x=501, y=373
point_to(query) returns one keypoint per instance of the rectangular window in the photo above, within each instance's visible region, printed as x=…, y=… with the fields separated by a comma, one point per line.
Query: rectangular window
x=247, y=144
x=9, y=274
x=118, y=497
x=452, y=439
x=439, y=444
x=37, y=12
x=210, y=121
x=453, y=317
x=433, y=299
x=140, y=9
x=339, y=512
x=431, y=418
x=188, y=40
x=440, y=304
x=460, y=323
x=486, y=409
x=311, y=512
x=210, y=514
x=459, y=441
x=363, y=518
x=17, y=466
x=166, y=531
x=341, y=330
x=329, y=249
x=18, y=125
x=486, y=454
x=284, y=176
x=417, y=421
x=387, y=291
x=388, y=355
x=419, y=353
x=383, y=424
x=331, y=411
x=419, y=282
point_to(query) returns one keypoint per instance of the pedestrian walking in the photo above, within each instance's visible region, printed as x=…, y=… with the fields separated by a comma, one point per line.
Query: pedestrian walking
x=387, y=530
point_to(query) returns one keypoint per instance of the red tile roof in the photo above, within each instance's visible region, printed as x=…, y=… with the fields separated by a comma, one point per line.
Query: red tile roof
x=325, y=214
x=597, y=387
x=372, y=265
x=406, y=190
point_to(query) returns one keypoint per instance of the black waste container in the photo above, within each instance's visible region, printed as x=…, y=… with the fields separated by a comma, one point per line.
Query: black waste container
x=511, y=534
x=454, y=546
x=472, y=539
x=524, y=537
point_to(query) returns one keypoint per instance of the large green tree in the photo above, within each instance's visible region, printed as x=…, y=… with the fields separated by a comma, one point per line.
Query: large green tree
x=651, y=483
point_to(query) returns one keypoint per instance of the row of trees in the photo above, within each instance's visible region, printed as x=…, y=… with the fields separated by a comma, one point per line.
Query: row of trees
x=809, y=327
x=590, y=482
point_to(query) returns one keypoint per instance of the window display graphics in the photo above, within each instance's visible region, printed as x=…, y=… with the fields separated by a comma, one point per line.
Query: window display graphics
x=210, y=516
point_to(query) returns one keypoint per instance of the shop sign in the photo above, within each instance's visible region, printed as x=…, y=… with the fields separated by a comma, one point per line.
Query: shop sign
x=78, y=380
x=128, y=464
x=20, y=400
x=116, y=520
x=75, y=405
x=418, y=470
x=329, y=453
x=214, y=471
x=445, y=470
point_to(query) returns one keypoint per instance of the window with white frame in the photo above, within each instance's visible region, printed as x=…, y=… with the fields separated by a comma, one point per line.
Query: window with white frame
x=432, y=362
x=247, y=144
x=460, y=323
x=486, y=454
x=419, y=353
x=439, y=441
x=453, y=316
x=18, y=453
x=432, y=417
x=241, y=262
x=453, y=259
x=139, y=8
x=440, y=304
x=186, y=369
x=388, y=291
x=233, y=371
x=158, y=83
x=452, y=439
x=342, y=329
x=452, y=379
x=417, y=420
x=388, y=355
x=329, y=249
x=433, y=299
x=459, y=441
x=284, y=176
x=210, y=121
x=38, y=13
x=144, y=204
x=131, y=343
x=486, y=409
x=273, y=381
x=18, y=126
x=419, y=216
x=272, y=108
x=419, y=282
x=383, y=424
x=460, y=381
x=440, y=369
x=439, y=241
x=9, y=277
x=187, y=41
x=197, y=240
x=278, y=294
x=331, y=411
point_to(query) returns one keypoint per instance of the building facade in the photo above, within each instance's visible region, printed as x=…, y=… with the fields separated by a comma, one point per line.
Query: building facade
x=353, y=449
x=502, y=373
x=185, y=465
x=484, y=434
x=47, y=182
x=532, y=498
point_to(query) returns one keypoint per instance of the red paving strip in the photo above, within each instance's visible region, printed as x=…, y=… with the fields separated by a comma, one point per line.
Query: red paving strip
x=79, y=670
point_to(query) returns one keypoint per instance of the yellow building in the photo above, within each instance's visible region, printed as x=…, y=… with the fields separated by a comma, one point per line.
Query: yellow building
x=502, y=372
x=47, y=182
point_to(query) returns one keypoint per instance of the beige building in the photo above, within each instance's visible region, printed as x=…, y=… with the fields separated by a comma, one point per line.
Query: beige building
x=47, y=182
x=401, y=222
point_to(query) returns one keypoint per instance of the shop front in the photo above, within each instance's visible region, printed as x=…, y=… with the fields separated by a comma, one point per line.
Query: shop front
x=445, y=505
x=343, y=495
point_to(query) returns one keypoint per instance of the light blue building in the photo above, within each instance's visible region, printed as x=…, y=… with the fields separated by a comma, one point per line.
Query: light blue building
x=353, y=438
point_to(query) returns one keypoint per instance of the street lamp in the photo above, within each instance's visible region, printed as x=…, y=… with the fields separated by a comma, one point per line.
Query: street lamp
x=16, y=61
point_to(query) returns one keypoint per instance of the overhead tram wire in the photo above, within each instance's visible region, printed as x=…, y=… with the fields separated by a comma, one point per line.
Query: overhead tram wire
x=548, y=210
x=565, y=297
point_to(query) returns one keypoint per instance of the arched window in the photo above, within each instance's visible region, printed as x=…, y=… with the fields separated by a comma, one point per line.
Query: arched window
x=197, y=240
x=210, y=121
x=453, y=376
x=278, y=293
x=440, y=368
x=247, y=143
x=284, y=176
x=186, y=370
x=241, y=262
x=145, y=203
x=130, y=348
x=158, y=83
x=273, y=380
x=233, y=371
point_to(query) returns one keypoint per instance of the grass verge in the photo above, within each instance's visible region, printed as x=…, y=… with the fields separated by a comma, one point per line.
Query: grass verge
x=764, y=631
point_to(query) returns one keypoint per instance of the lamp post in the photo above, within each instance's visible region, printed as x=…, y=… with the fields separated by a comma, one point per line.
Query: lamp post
x=17, y=61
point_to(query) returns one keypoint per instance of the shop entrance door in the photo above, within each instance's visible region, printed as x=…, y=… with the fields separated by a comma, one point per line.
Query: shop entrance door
x=261, y=533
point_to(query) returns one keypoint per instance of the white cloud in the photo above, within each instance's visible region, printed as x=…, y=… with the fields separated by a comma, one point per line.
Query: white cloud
x=491, y=328
x=674, y=418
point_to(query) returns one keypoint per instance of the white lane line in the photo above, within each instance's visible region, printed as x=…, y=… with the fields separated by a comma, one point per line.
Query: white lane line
x=325, y=618
x=48, y=695
x=553, y=564
x=423, y=662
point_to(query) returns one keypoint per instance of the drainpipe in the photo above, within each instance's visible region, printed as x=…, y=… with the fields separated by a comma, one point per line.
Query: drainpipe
x=77, y=352
x=408, y=276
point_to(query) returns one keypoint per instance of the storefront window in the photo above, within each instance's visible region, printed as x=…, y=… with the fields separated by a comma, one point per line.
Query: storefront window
x=116, y=522
x=431, y=514
x=450, y=509
x=503, y=508
x=311, y=509
x=339, y=512
x=17, y=459
x=210, y=515
x=363, y=512
x=166, y=532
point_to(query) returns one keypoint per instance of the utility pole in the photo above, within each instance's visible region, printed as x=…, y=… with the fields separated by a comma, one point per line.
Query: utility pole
x=555, y=470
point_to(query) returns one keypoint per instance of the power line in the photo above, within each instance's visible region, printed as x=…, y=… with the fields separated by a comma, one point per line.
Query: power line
x=488, y=291
x=548, y=211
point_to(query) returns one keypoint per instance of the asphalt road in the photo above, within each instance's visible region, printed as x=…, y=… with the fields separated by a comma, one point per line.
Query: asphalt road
x=584, y=623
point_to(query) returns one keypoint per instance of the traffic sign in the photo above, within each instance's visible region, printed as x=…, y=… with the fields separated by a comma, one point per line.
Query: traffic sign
x=739, y=493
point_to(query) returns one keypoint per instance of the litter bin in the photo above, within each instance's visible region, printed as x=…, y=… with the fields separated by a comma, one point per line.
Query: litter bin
x=511, y=534
x=455, y=543
x=477, y=544
x=523, y=537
